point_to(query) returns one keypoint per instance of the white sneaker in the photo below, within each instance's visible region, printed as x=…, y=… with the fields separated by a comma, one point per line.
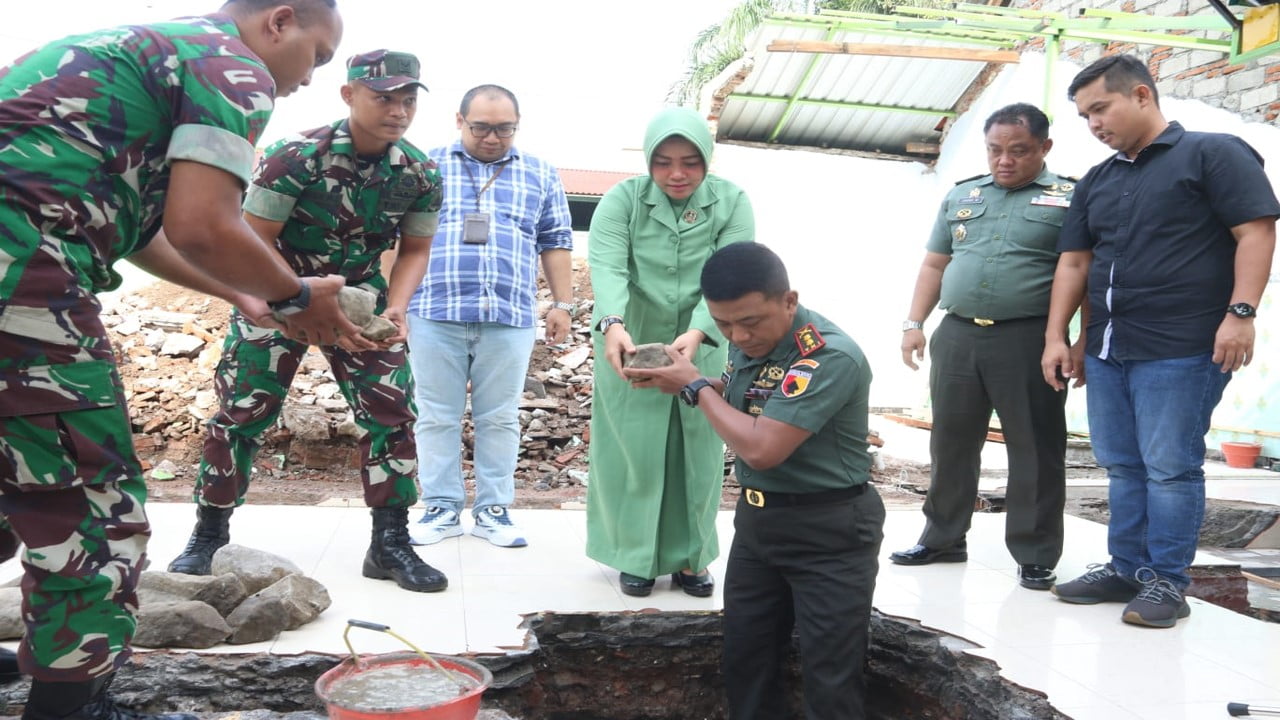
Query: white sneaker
x=494, y=524
x=436, y=524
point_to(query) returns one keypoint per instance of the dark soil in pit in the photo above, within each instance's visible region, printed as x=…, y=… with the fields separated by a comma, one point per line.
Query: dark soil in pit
x=628, y=666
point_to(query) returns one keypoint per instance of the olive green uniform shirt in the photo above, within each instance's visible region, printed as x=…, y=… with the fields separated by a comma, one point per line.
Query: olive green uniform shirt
x=1002, y=245
x=816, y=379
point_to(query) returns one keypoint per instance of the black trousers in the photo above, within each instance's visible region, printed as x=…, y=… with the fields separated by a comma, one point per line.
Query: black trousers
x=811, y=568
x=974, y=370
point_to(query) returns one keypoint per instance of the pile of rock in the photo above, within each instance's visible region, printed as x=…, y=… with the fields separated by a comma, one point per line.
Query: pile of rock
x=251, y=596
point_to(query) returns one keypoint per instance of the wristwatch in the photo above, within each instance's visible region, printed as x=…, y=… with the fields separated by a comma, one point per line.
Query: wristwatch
x=911, y=325
x=565, y=306
x=689, y=393
x=607, y=322
x=295, y=304
x=1242, y=310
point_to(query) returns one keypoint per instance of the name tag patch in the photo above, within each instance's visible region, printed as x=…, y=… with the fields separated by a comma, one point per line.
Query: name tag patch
x=1051, y=201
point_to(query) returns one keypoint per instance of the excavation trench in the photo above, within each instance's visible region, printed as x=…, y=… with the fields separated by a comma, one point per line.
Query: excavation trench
x=598, y=666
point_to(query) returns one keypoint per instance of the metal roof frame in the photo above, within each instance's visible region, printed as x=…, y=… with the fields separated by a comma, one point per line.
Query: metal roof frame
x=978, y=35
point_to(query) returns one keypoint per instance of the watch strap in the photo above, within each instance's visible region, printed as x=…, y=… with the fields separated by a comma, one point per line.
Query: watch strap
x=689, y=393
x=608, y=321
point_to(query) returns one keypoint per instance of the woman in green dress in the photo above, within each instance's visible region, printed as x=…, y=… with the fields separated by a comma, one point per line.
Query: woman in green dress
x=657, y=467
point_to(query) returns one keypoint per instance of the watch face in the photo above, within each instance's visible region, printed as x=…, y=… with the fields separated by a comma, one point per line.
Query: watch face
x=1242, y=310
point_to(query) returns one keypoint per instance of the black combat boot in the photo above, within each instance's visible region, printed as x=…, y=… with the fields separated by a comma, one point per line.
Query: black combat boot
x=86, y=700
x=391, y=558
x=212, y=532
x=9, y=666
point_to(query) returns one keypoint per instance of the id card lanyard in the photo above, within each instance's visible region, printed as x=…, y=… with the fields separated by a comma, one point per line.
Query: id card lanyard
x=475, y=225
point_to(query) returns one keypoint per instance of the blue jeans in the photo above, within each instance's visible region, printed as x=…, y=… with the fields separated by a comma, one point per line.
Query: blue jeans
x=1147, y=422
x=444, y=356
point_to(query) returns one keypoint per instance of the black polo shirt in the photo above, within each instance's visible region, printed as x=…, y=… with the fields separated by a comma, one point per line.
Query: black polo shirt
x=1159, y=227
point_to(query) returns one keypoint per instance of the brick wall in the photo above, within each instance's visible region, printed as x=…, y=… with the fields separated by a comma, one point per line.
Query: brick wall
x=1251, y=89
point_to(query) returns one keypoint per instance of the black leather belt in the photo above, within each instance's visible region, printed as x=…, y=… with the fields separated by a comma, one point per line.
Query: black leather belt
x=760, y=498
x=988, y=322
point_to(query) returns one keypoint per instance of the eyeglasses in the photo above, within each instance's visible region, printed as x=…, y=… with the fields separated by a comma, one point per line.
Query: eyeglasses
x=481, y=130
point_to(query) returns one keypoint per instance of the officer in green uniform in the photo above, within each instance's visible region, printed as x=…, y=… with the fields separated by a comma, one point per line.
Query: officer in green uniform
x=990, y=265
x=104, y=138
x=331, y=201
x=792, y=404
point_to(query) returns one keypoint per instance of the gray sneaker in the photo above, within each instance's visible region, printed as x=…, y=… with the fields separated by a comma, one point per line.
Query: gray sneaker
x=1159, y=604
x=1100, y=584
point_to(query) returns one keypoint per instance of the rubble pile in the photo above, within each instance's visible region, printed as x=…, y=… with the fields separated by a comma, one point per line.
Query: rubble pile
x=168, y=342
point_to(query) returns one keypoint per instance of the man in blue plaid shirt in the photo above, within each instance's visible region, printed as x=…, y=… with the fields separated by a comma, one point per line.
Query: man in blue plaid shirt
x=474, y=316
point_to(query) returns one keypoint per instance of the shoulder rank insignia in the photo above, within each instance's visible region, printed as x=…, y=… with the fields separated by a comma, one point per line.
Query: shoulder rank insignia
x=809, y=340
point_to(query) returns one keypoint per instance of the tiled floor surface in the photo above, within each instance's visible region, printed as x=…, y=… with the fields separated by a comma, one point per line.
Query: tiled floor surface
x=1092, y=666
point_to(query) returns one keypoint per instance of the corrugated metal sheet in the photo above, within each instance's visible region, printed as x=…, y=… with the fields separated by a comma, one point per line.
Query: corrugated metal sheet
x=590, y=182
x=923, y=84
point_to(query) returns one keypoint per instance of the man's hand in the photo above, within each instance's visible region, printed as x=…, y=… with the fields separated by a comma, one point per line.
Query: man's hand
x=912, y=344
x=1233, y=345
x=667, y=379
x=323, y=322
x=255, y=310
x=1077, y=362
x=1057, y=363
x=558, y=322
x=397, y=317
x=617, y=344
x=688, y=342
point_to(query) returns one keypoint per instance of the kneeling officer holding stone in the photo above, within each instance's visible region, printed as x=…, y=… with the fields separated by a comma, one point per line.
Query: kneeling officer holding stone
x=792, y=404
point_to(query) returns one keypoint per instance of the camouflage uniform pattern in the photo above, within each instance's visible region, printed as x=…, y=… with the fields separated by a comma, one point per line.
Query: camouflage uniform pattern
x=340, y=213
x=88, y=127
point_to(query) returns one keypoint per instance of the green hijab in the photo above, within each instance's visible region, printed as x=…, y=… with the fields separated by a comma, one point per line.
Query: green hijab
x=681, y=121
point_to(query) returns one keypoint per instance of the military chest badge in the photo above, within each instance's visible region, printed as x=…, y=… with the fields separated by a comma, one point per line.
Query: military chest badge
x=975, y=197
x=964, y=213
x=690, y=216
x=1067, y=187
x=960, y=233
x=809, y=340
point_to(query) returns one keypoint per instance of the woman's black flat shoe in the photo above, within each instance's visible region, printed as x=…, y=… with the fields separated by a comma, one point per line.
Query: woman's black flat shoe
x=634, y=585
x=702, y=585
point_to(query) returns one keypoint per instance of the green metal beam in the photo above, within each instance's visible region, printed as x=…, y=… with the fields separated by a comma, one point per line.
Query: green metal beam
x=800, y=86
x=747, y=97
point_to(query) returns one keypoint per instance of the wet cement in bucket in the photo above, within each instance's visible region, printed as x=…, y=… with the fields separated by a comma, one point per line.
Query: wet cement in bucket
x=396, y=687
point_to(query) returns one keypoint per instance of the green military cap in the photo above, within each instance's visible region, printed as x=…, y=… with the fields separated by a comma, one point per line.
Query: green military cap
x=384, y=70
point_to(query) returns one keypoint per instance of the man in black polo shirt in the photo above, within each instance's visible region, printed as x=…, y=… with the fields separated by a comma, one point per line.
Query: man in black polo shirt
x=793, y=405
x=1173, y=236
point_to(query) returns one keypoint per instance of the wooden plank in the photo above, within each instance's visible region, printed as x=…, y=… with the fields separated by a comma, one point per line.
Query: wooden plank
x=921, y=148
x=1269, y=582
x=889, y=50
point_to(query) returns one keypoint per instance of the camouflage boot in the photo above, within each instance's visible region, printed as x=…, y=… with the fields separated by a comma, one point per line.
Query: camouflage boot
x=212, y=532
x=391, y=558
x=86, y=700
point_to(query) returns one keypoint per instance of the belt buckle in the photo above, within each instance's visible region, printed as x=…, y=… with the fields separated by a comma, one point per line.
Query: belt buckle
x=755, y=498
x=983, y=322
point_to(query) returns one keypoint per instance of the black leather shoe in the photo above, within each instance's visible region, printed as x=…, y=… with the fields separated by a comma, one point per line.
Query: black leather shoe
x=1036, y=577
x=700, y=585
x=921, y=555
x=634, y=585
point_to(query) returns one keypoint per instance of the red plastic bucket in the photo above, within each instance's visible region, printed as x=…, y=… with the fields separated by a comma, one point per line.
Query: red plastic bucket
x=462, y=707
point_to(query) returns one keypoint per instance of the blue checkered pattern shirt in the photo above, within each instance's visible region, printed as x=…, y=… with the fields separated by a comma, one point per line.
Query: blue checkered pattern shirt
x=494, y=282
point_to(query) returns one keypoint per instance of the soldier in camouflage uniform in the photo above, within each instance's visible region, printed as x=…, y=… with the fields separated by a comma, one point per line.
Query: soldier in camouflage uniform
x=104, y=137
x=332, y=200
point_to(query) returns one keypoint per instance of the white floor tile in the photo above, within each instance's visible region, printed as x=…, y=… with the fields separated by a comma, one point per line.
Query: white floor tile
x=1091, y=665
